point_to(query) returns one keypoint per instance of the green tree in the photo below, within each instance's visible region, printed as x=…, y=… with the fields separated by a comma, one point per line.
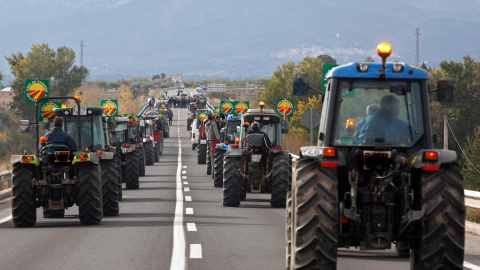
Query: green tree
x=163, y=75
x=44, y=63
x=369, y=59
x=156, y=76
x=472, y=150
x=327, y=59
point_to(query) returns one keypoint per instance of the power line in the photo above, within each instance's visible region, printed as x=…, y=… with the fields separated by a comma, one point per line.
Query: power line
x=417, y=33
x=461, y=149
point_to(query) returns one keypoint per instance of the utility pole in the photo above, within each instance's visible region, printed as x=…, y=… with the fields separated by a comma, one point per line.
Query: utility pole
x=81, y=53
x=417, y=33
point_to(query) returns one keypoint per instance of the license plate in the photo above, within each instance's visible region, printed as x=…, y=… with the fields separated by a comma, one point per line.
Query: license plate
x=256, y=158
x=62, y=156
x=373, y=159
x=203, y=141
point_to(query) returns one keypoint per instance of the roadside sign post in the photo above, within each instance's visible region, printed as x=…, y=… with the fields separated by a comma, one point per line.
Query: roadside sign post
x=311, y=119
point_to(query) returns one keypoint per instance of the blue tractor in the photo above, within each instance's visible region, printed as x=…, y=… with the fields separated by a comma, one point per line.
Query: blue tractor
x=374, y=179
x=229, y=137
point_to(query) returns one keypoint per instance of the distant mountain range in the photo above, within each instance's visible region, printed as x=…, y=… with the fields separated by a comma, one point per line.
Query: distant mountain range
x=235, y=39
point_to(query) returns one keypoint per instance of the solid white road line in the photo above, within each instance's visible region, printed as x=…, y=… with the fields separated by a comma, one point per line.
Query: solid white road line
x=191, y=227
x=188, y=198
x=465, y=263
x=178, y=253
x=195, y=251
x=189, y=211
x=185, y=182
x=186, y=189
x=10, y=217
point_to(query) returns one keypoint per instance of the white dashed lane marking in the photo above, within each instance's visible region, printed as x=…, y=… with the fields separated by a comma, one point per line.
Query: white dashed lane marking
x=10, y=217
x=188, y=198
x=189, y=211
x=184, y=177
x=186, y=189
x=191, y=227
x=185, y=182
x=184, y=167
x=195, y=251
x=184, y=172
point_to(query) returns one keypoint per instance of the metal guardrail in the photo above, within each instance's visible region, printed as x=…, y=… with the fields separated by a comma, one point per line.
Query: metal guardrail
x=6, y=176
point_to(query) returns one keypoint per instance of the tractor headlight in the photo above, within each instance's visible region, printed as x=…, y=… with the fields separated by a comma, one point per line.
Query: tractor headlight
x=397, y=67
x=363, y=67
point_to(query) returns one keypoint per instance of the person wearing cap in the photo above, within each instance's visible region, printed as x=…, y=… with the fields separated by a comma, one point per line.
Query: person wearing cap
x=58, y=136
x=256, y=137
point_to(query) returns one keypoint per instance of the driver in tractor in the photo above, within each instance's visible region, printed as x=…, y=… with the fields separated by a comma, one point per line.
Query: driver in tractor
x=384, y=126
x=58, y=136
x=257, y=138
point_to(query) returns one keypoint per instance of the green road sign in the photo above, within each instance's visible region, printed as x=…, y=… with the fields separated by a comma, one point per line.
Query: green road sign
x=226, y=107
x=240, y=107
x=326, y=69
x=285, y=107
x=35, y=90
x=46, y=109
x=110, y=107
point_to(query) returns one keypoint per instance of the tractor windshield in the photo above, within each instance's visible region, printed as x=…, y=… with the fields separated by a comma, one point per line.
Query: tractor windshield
x=233, y=131
x=374, y=113
x=273, y=131
x=87, y=123
x=132, y=133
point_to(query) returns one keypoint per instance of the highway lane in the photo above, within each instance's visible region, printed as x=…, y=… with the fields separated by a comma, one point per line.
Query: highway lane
x=141, y=237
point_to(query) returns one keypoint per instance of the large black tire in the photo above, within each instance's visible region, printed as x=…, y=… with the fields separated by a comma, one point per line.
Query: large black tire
x=442, y=230
x=118, y=161
x=157, y=152
x=53, y=213
x=280, y=180
x=149, y=154
x=202, y=154
x=288, y=231
x=208, y=159
x=141, y=161
x=24, y=209
x=131, y=170
x=110, y=187
x=89, y=193
x=218, y=168
x=231, y=182
x=315, y=214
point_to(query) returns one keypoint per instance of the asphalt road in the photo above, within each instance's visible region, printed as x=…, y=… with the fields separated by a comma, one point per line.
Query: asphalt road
x=207, y=236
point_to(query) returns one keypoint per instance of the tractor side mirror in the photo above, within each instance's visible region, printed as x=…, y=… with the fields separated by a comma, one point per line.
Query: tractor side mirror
x=300, y=84
x=238, y=129
x=285, y=128
x=444, y=91
x=24, y=126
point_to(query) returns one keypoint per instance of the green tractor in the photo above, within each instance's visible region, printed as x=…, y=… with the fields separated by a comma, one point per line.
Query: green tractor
x=94, y=139
x=255, y=169
x=56, y=178
x=126, y=138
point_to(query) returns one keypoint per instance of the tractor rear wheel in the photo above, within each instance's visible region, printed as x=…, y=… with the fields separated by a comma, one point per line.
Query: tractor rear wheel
x=89, y=193
x=280, y=179
x=24, y=210
x=209, y=159
x=149, y=155
x=442, y=230
x=218, y=168
x=109, y=187
x=202, y=154
x=288, y=231
x=131, y=170
x=315, y=215
x=231, y=181
x=141, y=161
x=118, y=161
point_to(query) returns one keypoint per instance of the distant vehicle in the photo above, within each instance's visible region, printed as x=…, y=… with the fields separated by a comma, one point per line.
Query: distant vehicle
x=181, y=86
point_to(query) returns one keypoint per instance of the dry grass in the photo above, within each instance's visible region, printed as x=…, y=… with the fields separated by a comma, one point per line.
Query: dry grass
x=293, y=141
x=473, y=215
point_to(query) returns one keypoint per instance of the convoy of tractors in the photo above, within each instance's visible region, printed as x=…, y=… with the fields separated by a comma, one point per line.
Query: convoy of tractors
x=372, y=180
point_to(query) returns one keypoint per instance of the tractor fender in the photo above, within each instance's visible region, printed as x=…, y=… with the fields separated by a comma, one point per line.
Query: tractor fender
x=107, y=155
x=444, y=157
x=234, y=152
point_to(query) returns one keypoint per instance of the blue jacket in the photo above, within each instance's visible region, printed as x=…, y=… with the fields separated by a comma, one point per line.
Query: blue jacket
x=57, y=135
x=383, y=124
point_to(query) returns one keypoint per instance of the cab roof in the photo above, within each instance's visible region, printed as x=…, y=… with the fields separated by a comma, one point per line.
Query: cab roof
x=96, y=111
x=351, y=70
